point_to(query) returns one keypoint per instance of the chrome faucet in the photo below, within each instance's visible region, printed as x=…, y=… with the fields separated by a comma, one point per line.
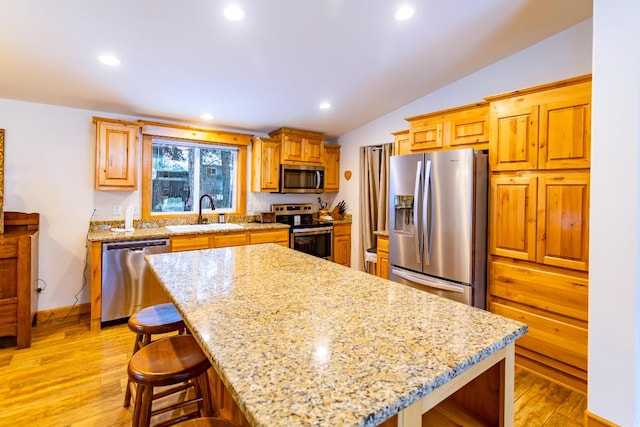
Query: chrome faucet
x=213, y=207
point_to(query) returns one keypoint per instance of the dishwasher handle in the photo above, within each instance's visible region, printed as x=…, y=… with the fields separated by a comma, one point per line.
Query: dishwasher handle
x=134, y=244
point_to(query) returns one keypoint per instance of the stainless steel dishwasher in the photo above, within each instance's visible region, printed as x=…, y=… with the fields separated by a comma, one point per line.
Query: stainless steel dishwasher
x=127, y=283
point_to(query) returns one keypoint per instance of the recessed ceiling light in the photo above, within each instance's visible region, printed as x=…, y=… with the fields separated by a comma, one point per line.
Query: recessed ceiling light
x=110, y=60
x=404, y=13
x=234, y=13
x=325, y=106
x=207, y=116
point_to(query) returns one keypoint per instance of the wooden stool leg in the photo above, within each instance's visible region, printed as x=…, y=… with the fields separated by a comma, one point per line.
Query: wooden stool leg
x=137, y=345
x=207, y=403
x=145, y=400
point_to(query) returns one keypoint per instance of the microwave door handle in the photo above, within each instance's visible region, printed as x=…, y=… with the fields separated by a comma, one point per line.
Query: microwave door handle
x=427, y=219
x=318, y=180
x=417, y=230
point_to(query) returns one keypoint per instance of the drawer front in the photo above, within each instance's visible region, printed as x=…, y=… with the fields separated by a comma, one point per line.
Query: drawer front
x=277, y=236
x=545, y=290
x=562, y=341
x=224, y=240
x=9, y=314
x=342, y=230
x=189, y=243
x=383, y=244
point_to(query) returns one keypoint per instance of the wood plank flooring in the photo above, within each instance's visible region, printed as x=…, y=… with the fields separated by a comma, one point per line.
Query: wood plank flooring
x=74, y=377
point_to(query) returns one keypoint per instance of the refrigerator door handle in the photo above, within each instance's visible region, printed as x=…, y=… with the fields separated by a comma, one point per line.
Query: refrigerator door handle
x=417, y=232
x=419, y=279
x=426, y=220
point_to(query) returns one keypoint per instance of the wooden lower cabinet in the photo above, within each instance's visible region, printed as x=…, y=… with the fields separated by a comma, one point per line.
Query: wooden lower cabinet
x=382, y=266
x=342, y=244
x=554, y=303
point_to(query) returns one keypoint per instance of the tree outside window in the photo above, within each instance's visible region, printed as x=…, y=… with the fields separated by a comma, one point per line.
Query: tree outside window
x=181, y=172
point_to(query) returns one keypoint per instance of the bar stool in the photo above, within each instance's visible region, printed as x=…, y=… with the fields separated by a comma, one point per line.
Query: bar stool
x=371, y=257
x=175, y=361
x=153, y=320
x=208, y=422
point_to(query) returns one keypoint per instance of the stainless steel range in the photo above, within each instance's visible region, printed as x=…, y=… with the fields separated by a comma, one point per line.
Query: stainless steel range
x=306, y=233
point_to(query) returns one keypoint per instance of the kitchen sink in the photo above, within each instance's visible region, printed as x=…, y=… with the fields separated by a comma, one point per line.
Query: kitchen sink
x=203, y=227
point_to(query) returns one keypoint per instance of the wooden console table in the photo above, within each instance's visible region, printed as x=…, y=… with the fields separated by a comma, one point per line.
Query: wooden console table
x=19, y=276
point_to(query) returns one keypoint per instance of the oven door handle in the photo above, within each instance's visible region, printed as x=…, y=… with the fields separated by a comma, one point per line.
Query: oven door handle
x=310, y=231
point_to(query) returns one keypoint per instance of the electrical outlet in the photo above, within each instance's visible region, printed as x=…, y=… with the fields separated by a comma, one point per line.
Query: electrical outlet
x=249, y=207
x=136, y=209
x=116, y=209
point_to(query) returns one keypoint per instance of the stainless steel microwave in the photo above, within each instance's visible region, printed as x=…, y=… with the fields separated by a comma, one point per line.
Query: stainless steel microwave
x=301, y=179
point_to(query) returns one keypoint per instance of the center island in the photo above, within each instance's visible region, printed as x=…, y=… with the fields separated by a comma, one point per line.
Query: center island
x=296, y=340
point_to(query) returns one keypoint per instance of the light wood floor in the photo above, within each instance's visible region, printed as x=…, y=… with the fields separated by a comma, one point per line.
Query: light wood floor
x=74, y=377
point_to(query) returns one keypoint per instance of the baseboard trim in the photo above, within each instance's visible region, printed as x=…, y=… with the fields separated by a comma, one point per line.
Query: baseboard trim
x=70, y=313
x=592, y=420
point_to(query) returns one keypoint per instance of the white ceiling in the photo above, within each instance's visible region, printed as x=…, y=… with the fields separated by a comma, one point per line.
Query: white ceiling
x=182, y=58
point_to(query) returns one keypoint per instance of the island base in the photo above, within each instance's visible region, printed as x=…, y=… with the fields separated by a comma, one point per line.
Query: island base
x=480, y=396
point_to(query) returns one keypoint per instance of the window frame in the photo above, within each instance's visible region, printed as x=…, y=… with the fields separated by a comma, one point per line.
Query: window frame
x=239, y=141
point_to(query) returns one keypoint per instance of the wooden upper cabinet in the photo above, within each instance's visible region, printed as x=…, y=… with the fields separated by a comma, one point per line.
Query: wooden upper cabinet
x=331, y=168
x=465, y=126
x=426, y=134
x=300, y=146
x=470, y=126
x=292, y=148
x=563, y=220
x=402, y=143
x=513, y=216
x=514, y=137
x=565, y=129
x=265, y=157
x=116, y=154
x=313, y=150
x=542, y=128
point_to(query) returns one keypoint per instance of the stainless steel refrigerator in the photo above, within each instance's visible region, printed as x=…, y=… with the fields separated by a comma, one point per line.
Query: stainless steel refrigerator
x=438, y=223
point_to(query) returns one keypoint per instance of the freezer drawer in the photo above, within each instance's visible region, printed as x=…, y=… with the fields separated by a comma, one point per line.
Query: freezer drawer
x=127, y=284
x=450, y=290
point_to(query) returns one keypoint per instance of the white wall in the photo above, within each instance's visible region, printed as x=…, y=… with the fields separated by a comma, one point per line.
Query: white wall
x=564, y=55
x=49, y=168
x=614, y=294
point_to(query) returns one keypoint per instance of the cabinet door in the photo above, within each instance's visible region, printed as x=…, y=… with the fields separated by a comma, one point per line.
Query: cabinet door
x=116, y=147
x=292, y=148
x=313, y=150
x=382, y=266
x=512, y=214
x=342, y=244
x=402, y=143
x=331, y=168
x=467, y=127
x=265, y=165
x=514, y=136
x=426, y=134
x=565, y=130
x=563, y=220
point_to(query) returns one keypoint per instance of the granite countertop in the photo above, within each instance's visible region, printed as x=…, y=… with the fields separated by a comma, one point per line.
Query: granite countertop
x=384, y=233
x=106, y=235
x=303, y=341
x=147, y=229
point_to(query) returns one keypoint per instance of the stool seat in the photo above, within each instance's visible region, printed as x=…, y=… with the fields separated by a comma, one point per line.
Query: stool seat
x=208, y=422
x=156, y=319
x=168, y=361
x=371, y=257
x=176, y=361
